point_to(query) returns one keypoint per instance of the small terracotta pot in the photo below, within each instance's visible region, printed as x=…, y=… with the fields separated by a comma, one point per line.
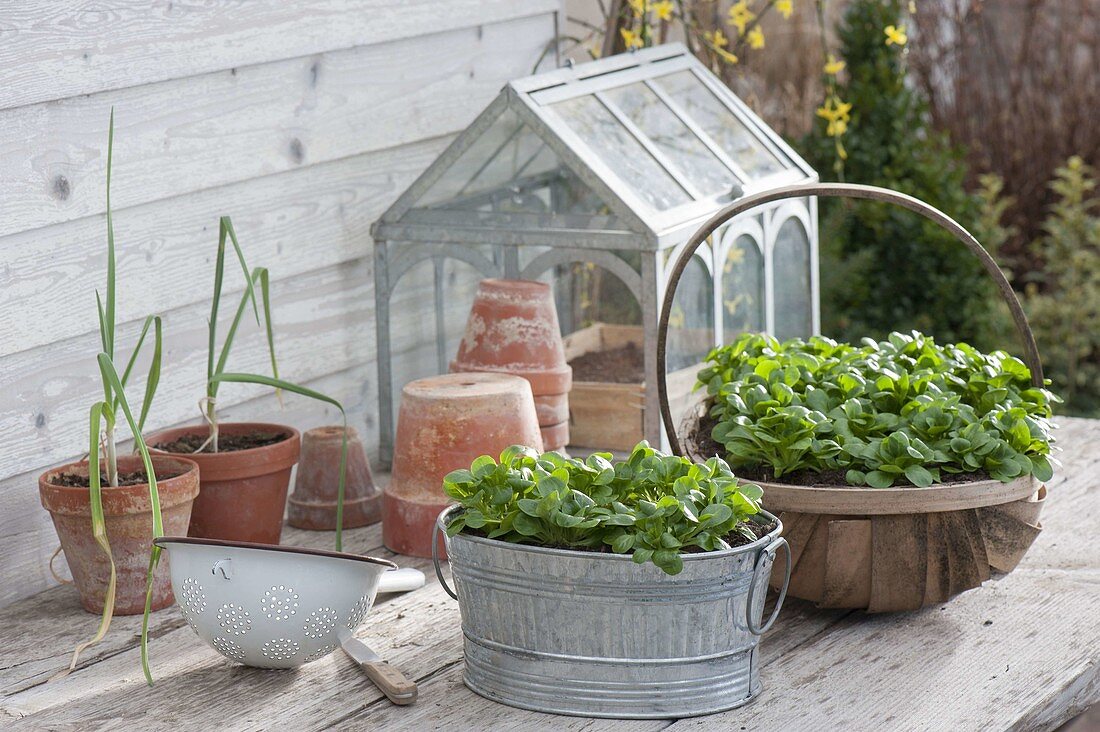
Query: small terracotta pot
x=445, y=423
x=513, y=328
x=129, y=518
x=552, y=409
x=243, y=494
x=555, y=436
x=312, y=505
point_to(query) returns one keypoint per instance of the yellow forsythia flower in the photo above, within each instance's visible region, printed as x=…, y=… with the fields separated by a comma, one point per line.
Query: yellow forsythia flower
x=784, y=8
x=837, y=114
x=740, y=15
x=631, y=39
x=833, y=66
x=755, y=38
x=717, y=39
x=726, y=56
x=638, y=6
x=896, y=35
x=664, y=9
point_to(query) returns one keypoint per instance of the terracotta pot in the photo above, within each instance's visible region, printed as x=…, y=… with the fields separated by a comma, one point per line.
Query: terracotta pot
x=243, y=492
x=552, y=409
x=312, y=505
x=555, y=436
x=444, y=424
x=129, y=518
x=513, y=328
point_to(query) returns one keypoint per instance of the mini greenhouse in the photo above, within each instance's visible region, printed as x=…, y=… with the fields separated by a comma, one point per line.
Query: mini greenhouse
x=612, y=164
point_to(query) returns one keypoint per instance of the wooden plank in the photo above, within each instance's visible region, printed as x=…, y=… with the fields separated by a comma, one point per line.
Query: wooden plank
x=985, y=660
x=27, y=537
x=1021, y=652
x=445, y=703
x=40, y=632
x=324, y=324
x=292, y=222
x=612, y=415
x=185, y=135
x=52, y=50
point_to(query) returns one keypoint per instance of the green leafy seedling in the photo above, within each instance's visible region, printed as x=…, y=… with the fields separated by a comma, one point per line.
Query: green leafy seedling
x=652, y=506
x=899, y=411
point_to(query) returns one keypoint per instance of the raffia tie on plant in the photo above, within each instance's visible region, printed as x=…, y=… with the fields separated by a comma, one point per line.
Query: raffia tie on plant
x=208, y=407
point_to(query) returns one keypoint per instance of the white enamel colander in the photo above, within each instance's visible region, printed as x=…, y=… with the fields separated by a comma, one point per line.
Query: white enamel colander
x=271, y=606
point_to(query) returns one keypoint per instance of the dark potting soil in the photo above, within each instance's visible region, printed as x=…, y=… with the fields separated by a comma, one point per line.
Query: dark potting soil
x=623, y=365
x=189, y=444
x=702, y=445
x=136, y=477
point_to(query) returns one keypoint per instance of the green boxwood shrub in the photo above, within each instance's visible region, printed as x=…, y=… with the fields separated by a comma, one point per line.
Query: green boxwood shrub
x=903, y=410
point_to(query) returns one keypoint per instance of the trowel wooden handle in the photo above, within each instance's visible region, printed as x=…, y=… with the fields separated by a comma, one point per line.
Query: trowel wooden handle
x=391, y=681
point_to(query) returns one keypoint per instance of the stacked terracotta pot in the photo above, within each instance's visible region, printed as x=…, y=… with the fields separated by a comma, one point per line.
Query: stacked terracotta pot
x=513, y=328
x=445, y=423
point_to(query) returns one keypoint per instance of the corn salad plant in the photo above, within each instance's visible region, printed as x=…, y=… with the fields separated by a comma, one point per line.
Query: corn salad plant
x=903, y=410
x=653, y=505
x=104, y=417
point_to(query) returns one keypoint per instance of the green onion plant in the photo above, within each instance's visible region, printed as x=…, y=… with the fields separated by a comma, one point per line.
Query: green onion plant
x=103, y=420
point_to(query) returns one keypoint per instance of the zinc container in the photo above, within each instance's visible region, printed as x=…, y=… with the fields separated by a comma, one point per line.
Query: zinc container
x=596, y=635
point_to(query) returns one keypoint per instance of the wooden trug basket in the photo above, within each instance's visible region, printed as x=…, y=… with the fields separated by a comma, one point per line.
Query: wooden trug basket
x=894, y=548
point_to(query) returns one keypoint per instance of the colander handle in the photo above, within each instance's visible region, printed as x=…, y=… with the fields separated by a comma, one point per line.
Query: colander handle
x=768, y=555
x=437, y=529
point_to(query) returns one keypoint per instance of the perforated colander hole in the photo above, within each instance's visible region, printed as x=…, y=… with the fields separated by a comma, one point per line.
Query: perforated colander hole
x=228, y=648
x=234, y=619
x=320, y=623
x=358, y=612
x=192, y=597
x=279, y=649
x=321, y=652
x=279, y=603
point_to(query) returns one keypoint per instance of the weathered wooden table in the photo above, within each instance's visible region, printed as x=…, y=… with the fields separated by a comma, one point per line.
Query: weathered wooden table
x=1022, y=652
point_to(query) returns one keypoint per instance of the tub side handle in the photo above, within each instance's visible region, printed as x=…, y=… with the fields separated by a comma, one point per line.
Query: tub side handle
x=766, y=556
x=437, y=528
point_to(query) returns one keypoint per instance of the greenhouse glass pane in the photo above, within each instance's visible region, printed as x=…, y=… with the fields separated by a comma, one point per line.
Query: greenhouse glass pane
x=691, y=320
x=742, y=289
x=510, y=178
x=621, y=152
x=672, y=137
x=458, y=180
x=791, y=261
x=716, y=119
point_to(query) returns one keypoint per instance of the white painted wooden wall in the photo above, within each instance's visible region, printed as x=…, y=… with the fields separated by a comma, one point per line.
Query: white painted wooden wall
x=302, y=120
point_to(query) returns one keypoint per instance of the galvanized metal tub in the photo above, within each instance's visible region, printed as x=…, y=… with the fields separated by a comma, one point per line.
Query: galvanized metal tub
x=596, y=635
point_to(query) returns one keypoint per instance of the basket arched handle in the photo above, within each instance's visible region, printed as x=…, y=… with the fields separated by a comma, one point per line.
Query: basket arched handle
x=832, y=190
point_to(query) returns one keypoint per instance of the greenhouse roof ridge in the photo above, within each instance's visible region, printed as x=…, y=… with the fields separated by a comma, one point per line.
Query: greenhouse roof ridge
x=638, y=148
